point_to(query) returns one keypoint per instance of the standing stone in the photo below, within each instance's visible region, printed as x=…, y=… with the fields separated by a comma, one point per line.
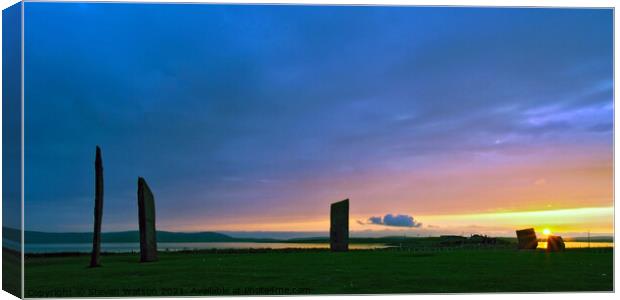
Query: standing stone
x=94, y=257
x=555, y=243
x=527, y=238
x=339, y=226
x=146, y=215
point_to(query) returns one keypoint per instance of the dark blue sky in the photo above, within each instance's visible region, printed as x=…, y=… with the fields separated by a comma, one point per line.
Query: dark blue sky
x=263, y=114
x=11, y=117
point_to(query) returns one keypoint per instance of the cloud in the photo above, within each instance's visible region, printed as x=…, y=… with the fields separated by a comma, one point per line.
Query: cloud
x=540, y=181
x=375, y=220
x=394, y=220
x=602, y=127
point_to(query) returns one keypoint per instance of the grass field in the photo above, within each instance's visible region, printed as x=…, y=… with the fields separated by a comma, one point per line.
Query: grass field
x=322, y=272
x=11, y=272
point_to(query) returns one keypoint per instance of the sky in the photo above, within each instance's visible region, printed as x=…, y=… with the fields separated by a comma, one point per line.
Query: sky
x=255, y=118
x=11, y=117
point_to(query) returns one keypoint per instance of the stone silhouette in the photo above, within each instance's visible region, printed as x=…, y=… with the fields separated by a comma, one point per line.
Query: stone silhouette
x=94, y=257
x=527, y=238
x=339, y=226
x=146, y=216
x=555, y=243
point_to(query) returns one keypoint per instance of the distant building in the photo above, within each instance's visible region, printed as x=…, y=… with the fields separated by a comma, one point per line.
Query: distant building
x=482, y=239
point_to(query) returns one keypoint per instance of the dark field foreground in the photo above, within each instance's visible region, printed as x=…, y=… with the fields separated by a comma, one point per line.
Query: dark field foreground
x=322, y=272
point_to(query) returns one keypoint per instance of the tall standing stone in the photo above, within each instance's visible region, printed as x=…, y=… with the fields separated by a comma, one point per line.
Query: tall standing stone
x=339, y=226
x=527, y=238
x=94, y=257
x=146, y=216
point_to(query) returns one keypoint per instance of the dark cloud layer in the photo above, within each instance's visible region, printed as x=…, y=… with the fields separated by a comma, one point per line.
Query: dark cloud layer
x=228, y=110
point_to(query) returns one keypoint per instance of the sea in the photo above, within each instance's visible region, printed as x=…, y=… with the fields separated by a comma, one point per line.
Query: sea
x=135, y=247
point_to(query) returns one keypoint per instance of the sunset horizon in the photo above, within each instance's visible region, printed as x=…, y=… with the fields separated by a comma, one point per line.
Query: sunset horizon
x=500, y=223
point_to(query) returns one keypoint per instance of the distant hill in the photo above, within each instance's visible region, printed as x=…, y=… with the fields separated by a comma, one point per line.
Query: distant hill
x=11, y=234
x=608, y=239
x=37, y=237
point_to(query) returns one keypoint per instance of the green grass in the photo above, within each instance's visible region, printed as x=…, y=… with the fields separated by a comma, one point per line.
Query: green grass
x=11, y=272
x=323, y=272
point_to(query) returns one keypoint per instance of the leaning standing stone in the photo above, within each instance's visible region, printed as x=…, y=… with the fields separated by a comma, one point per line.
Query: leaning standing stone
x=527, y=238
x=146, y=216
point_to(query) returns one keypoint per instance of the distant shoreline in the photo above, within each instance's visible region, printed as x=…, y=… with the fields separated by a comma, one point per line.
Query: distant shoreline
x=413, y=244
x=38, y=237
x=12, y=252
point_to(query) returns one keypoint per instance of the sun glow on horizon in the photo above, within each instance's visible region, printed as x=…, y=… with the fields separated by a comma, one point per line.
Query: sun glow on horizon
x=572, y=220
